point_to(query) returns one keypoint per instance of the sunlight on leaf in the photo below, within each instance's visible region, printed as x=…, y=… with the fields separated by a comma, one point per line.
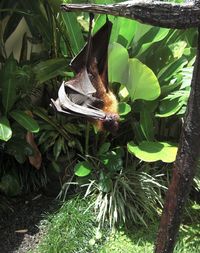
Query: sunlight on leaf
x=178, y=48
x=123, y=108
x=25, y=120
x=153, y=151
x=169, y=107
x=142, y=82
x=5, y=130
x=74, y=31
x=83, y=169
x=117, y=63
x=123, y=93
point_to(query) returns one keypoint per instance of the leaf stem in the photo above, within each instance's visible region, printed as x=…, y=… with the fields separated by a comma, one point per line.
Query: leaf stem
x=87, y=131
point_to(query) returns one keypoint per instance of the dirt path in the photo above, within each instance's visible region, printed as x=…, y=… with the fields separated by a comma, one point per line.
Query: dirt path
x=19, y=230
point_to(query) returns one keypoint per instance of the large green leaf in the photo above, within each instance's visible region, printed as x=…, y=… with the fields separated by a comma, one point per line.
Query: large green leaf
x=25, y=120
x=169, y=107
x=153, y=151
x=142, y=82
x=74, y=31
x=9, y=83
x=113, y=161
x=127, y=30
x=49, y=69
x=146, y=36
x=171, y=69
x=177, y=48
x=141, y=30
x=5, y=130
x=99, y=22
x=104, y=148
x=83, y=169
x=117, y=63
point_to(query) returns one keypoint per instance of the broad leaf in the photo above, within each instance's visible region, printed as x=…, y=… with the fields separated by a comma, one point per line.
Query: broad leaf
x=99, y=22
x=146, y=36
x=25, y=120
x=169, y=107
x=9, y=84
x=141, y=30
x=83, y=169
x=155, y=34
x=123, y=108
x=113, y=161
x=178, y=48
x=5, y=130
x=127, y=30
x=104, y=148
x=171, y=69
x=117, y=63
x=49, y=69
x=74, y=31
x=142, y=82
x=153, y=151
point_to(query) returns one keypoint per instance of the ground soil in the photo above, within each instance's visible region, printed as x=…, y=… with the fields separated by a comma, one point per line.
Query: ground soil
x=19, y=228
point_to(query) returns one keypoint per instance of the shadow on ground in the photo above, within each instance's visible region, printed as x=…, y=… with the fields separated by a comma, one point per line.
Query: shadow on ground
x=19, y=229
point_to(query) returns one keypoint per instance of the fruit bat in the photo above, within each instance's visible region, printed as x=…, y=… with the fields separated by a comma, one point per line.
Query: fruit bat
x=87, y=94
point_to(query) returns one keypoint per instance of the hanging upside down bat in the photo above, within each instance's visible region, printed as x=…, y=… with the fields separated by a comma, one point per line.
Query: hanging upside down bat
x=88, y=95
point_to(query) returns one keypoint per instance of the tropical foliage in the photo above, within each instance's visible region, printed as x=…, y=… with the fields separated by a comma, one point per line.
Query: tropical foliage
x=150, y=72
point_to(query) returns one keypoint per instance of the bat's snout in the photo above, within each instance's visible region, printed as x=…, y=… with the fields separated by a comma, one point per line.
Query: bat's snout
x=111, y=123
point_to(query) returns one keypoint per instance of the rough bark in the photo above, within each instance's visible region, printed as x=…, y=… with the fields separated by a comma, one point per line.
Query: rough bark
x=184, y=168
x=156, y=13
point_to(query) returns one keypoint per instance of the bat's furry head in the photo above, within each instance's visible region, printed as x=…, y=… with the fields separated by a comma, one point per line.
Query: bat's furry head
x=111, y=123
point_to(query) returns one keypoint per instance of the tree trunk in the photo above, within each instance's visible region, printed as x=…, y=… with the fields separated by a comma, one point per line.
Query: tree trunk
x=184, y=168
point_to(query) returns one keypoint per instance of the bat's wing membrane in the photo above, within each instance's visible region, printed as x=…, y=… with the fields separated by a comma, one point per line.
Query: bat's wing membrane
x=82, y=83
x=65, y=105
x=80, y=90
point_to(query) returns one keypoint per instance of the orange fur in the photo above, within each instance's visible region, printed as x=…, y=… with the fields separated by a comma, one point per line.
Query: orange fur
x=110, y=103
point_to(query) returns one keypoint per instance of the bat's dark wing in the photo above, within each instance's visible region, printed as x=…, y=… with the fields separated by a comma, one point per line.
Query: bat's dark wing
x=98, y=50
x=78, y=96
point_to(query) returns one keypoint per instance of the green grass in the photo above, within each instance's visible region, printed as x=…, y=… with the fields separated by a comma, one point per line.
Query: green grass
x=73, y=230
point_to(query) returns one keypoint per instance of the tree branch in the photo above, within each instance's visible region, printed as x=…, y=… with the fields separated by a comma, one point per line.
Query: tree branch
x=164, y=14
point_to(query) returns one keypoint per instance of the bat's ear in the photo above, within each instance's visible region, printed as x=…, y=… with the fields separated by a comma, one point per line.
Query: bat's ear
x=98, y=49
